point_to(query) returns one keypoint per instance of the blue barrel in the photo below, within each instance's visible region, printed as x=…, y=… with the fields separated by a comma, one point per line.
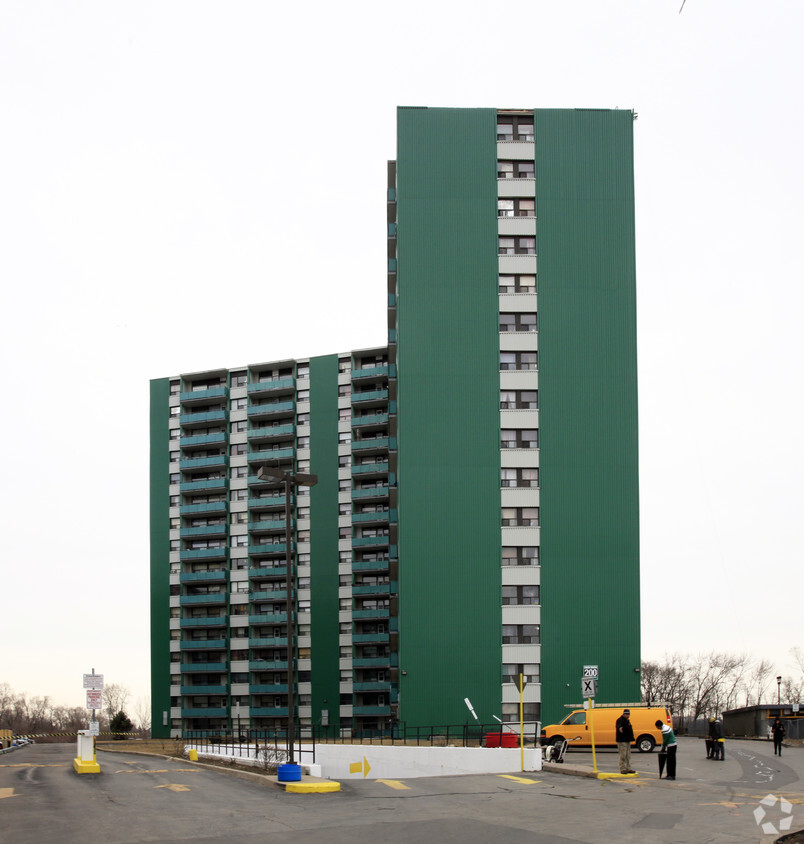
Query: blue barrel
x=288, y=773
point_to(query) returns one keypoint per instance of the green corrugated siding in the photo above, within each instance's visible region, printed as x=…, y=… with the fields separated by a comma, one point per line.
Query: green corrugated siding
x=588, y=405
x=160, y=556
x=448, y=379
x=324, y=538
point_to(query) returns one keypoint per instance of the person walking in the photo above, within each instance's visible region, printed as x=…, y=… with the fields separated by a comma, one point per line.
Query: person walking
x=624, y=733
x=669, y=746
x=719, y=743
x=710, y=740
x=777, y=732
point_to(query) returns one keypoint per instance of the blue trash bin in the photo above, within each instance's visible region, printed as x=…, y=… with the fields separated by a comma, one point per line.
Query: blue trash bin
x=289, y=773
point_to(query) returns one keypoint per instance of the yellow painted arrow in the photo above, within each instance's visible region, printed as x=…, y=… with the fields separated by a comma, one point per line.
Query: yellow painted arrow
x=357, y=767
x=173, y=787
x=6, y=792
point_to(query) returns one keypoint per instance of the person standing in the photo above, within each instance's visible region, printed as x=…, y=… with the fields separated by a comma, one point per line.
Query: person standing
x=710, y=740
x=669, y=746
x=719, y=742
x=624, y=732
x=777, y=732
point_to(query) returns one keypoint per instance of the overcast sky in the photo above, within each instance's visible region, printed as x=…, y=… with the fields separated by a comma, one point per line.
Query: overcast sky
x=186, y=185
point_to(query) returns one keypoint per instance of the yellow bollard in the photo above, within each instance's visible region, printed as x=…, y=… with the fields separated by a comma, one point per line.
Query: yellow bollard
x=193, y=755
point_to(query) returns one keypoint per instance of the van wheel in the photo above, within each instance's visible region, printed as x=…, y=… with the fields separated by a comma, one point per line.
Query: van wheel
x=645, y=744
x=556, y=741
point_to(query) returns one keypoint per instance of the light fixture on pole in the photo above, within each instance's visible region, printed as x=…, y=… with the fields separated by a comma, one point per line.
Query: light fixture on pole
x=779, y=688
x=289, y=479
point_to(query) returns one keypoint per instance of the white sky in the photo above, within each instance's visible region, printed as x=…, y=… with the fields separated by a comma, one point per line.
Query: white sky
x=187, y=185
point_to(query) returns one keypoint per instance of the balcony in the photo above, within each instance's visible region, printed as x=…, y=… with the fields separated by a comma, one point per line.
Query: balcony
x=272, y=386
x=265, y=548
x=366, y=445
x=257, y=572
x=370, y=638
x=271, y=432
x=205, y=690
x=271, y=409
x=204, y=530
x=371, y=589
x=267, y=502
x=370, y=468
x=188, y=554
x=215, y=576
x=268, y=642
x=206, y=396
x=203, y=644
x=205, y=507
x=371, y=711
x=267, y=454
x=371, y=373
x=209, y=599
x=205, y=712
x=372, y=662
x=204, y=439
x=204, y=485
x=205, y=621
x=206, y=417
x=370, y=541
x=375, y=516
x=366, y=492
x=269, y=712
x=370, y=565
x=271, y=618
x=269, y=526
x=379, y=612
x=206, y=667
x=370, y=419
x=363, y=396
x=261, y=689
x=215, y=461
x=275, y=595
x=267, y=664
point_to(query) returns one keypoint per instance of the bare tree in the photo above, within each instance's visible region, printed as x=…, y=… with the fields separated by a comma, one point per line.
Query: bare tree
x=115, y=698
x=758, y=681
x=142, y=712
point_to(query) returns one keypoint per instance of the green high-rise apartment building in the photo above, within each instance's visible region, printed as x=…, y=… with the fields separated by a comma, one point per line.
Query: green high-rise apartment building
x=476, y=512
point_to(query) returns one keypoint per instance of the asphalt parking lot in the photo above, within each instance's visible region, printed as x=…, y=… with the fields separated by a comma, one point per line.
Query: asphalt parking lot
x=151, y=799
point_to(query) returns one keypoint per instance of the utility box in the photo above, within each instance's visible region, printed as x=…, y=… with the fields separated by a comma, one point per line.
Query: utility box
x=85, y=761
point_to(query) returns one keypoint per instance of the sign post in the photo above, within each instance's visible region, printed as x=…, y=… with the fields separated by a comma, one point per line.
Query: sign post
x=589, y=690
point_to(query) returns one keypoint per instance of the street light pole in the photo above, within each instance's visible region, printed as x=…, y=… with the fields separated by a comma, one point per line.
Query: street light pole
x=289, y=479
x=779, y=688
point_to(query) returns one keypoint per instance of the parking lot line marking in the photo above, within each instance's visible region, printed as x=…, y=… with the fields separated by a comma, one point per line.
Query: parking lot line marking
x=523, y=780
x=394, y=784
x=173, y=786
x=6, y=792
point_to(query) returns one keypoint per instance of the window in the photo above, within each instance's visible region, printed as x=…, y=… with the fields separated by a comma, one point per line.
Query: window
x=174, y=478
x=519, y=360
x=175, y=433
x=174, y=457
x=345, y=437
x=239, y=404
x=303, y=442
x=519, y=477
x=238, y=495
x=344, y=365
x=516, y=170
x=520, y=595
x=238, y=427
x=511, y=127
x=239, y=541
x=238, y=472
x=175, y=388
x=519, y=399
x=517, y=322
x=239, y=379
x=239, y=518
x=519, y=438
x=521, y=634
x=303, y=395
x=516, y=207
x=516, y=245
x=511, y=670
x=517, y=283
x=345, y=390
x=520, y=517
x=303, y=419
x=303, y=370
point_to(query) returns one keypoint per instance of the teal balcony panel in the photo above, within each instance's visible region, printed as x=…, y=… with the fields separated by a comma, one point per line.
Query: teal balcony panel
x=258, y=689
x=210, y=394
x=370, y=492
x=213, y=462
x=370, y=395
x=267, y=548
x=210, y=599
x=203, y=553
x=267, y=455
x=205, y=690
x=206, y=507
x=267, y=618
x=392, y=265
x=370, y=468
x=391, y=300
x=372, y=372
x=258, y=411
x=206, y=667
x=378, y=686
x=268, y=525
x=202, y=485
x=380, y=516
x=269, y=712
x=207, y=417
x=208, y=621
x=368, y=541
x=372, y=662
x=203, y=644
x=391, y=336
x=271, y=431
x=266, y=571
x=370, y=565
x=205, y=712
x=204, y=530
x=378, y=613
x=392, y=194
x=285, y=383
x=376, y=443
x=217, y=576
x=277, y=595
x=268, y=502
x=372, y=419
x=267, y=665
x=221, y=438
x=374, y=711
x=372, y=589
x=369, y=638
x=268, y=642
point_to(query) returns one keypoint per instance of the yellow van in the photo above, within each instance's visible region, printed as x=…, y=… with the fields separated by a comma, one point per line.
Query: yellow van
x=575, y=727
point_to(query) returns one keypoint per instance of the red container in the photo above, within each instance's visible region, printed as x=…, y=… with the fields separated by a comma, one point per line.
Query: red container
x=502, y=740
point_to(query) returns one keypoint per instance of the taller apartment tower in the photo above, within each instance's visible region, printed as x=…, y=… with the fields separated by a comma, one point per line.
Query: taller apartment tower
x=476, y=516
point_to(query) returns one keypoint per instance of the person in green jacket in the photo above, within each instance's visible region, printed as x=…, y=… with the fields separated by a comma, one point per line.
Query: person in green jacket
x=669, y=746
